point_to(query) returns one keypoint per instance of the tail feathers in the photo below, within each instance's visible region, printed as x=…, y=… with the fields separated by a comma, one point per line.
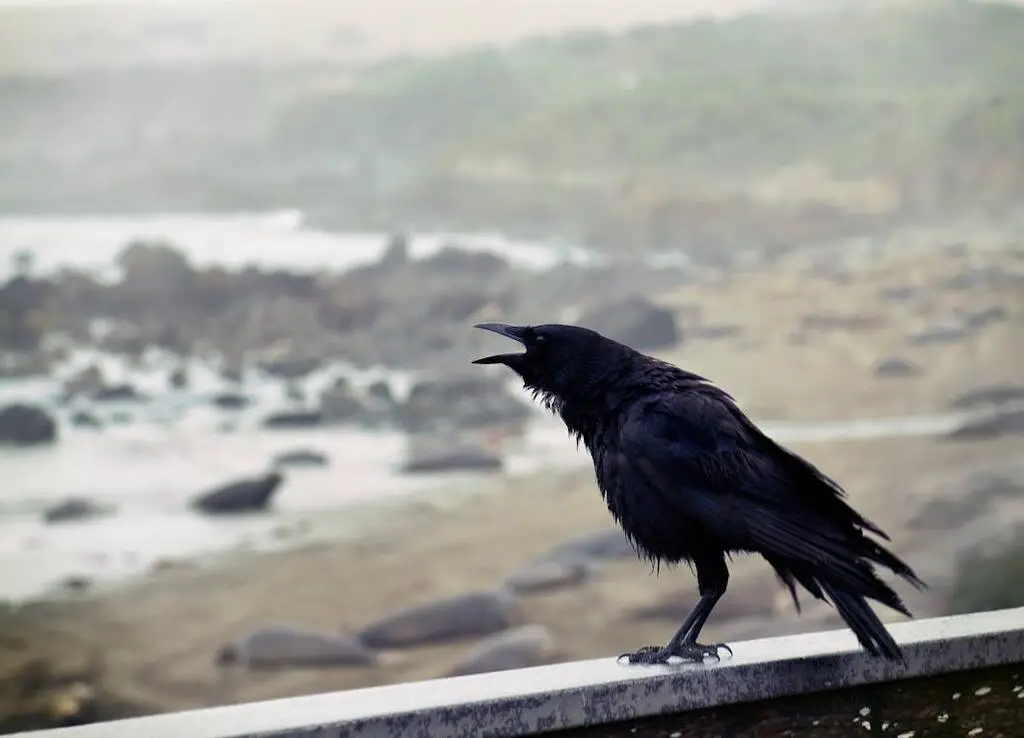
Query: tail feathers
x=880, y=555
x=864, y=623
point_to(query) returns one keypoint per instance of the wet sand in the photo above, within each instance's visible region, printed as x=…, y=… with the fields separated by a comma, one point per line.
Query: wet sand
x=154, y=642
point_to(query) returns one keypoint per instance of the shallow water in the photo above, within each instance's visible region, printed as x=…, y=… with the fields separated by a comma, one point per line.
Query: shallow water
x=273, y=239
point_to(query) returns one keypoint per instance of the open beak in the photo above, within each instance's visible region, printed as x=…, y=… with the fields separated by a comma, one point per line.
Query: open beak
x=515, y=332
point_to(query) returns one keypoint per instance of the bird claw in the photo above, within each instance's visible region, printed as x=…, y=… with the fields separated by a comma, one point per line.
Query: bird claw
x=687, y=651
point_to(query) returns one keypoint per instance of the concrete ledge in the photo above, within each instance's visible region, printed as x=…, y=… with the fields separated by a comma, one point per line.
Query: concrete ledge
x=589, y=693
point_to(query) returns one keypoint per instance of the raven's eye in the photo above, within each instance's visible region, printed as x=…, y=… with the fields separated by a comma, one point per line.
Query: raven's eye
x=539, y=339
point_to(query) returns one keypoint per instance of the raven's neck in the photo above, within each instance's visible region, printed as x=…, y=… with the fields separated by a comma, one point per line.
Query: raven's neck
x=594, y=403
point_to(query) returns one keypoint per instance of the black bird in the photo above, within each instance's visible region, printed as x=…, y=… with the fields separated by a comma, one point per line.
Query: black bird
x=689, y=477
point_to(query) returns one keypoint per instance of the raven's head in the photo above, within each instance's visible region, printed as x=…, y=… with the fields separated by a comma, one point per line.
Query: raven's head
x=559, y=361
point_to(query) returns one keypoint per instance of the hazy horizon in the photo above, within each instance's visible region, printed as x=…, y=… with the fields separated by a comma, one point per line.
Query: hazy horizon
x=66, y=34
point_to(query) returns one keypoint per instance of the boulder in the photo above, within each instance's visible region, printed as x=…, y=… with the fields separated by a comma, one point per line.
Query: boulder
x=178, y=378
x=118, y=393
x=548, y=575
x=86, y=382
x=1000, y=423
x=962, y=501
x=380, y=391
x=291, y=367
x=461, y=402
x=85, y=419
x=596, y=546
x=301, y=458
x=26, y=425
x=947, y=333
x=992, y=394
x=519, y=648
x=635, y=321
x=75, y=508
x=289, y=647
x=231, y=401
x=245, y=496
x=896, y=367
x=441, y=621
x=293, y=419
x=339, y=403
x=429, y=454
x=978, y=319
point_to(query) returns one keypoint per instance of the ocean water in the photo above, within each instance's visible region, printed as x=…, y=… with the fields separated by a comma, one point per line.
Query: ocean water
x=275, y=239
x=179, y=445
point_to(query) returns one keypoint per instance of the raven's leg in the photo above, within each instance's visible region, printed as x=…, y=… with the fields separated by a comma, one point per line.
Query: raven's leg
x=712, y=582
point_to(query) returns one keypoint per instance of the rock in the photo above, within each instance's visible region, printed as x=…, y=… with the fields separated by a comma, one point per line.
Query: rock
x=544, y=576
x=295, y=393
x=451, y=259
x=26, y=425
x=460, y=402
x=380, y=391
x=291, y=367
x=604, y=544
x=86, y=382
x=119, y=393
x=285, y=646
x=978, y=319
x=27, y=313
x=76, y=583
x=900, y=293
x=449, y=619
x=429, y=454
x=85, y=419
x=339, y=403
x=994, y=394
x=965, y=501
x=635, y=321
x=1000, y=423
x=895, y=367
x=519, y=648
x=825, y=321
x=301, y=458
x=231, y=401
x=978, y=277
x=178, y=378
x=153, y=265
x=397, y=251
x=293, y=419
x=938, y=334
x=75, y=508
x=248, y=495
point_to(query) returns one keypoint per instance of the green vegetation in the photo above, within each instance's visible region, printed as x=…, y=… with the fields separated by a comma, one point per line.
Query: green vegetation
x=855, y=90
x=990, y=580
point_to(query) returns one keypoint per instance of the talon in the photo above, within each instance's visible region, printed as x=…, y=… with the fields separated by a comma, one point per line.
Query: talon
x=640, y=656
x=700, y=651
x=697, y=652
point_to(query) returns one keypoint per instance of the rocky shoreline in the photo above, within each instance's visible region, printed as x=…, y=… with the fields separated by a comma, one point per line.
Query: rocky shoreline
x=907, y=333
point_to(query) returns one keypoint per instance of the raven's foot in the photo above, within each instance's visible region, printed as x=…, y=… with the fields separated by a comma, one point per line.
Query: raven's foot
x=685, y=651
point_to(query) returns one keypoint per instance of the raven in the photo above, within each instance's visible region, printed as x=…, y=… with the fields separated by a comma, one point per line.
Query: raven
x=690, y=477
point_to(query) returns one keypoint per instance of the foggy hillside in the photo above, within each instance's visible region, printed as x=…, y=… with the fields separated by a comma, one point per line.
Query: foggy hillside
x=870, y=112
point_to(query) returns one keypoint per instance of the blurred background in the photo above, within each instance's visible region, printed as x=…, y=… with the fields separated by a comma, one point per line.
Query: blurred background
x=243, y=454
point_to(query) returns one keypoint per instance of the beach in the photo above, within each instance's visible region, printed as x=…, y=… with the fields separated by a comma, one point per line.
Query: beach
x=794, y=341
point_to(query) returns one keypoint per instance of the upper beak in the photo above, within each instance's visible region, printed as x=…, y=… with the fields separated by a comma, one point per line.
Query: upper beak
x=515, y=332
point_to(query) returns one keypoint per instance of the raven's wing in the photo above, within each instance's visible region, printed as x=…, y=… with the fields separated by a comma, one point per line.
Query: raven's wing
x=709, y=464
